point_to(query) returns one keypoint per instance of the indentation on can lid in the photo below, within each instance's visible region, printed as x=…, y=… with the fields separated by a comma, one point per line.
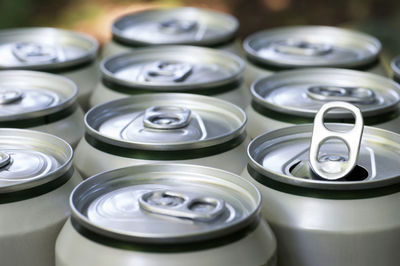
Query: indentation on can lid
x=5, y=159
x=33, y=52
x=9, y=95
x=177, y=26
x=301, y=47
x=165, y=71
x=338, y=93
x=166, y=117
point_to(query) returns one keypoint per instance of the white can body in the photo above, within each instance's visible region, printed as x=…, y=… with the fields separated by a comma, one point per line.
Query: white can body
x=29, y=228
x=256, y=248
x=315, y=231
x=90, y=161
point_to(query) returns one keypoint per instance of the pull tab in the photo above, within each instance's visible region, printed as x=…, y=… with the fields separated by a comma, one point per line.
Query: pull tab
x=188, y=206
x=177, y=26
x=5, y=159
x=166, y=117
x=167, y=71
x=34, y=52
x=9, y=95
x=298, y=47
x=333, y=167
x=346, y=94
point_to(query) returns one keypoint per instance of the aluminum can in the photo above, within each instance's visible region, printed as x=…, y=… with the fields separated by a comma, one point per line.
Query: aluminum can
x=395, y=65
x=165, y=127
x=36, y=179
x=321, y=220
x=172, y=69
x=294, y=97
x=310, y=46
x=64, y=52
x=171, y=26
x=165, y=214
x=41, y=101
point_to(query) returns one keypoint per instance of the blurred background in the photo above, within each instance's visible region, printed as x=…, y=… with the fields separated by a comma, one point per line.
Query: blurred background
x=380, y=18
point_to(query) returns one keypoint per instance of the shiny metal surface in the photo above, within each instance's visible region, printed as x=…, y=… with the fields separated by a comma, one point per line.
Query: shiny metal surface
x=165, y=203
x=195, y=26
x=34, y=188
x=302, y=46
x=40, y=101
x=173, y=68
x=395, y=65
x=121, y=122
x=334, y=168
x=44, y=48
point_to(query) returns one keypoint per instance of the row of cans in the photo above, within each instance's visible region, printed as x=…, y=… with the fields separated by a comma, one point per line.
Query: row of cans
x=327, y=192
x=184, y=211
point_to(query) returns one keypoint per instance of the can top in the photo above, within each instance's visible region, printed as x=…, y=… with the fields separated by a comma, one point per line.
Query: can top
x=187, y=25
x=31, y=94
x=45, y=48
x=165, y=203
x=30, y=158
x=283, y=155
x=302, y=92
x=177, y=68
x=395, y=64
x=165, y=121
x=312, y=46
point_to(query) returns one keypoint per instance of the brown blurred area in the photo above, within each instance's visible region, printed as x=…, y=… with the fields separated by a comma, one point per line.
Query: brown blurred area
x=380, y=18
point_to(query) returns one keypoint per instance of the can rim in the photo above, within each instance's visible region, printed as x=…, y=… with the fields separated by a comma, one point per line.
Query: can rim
x=223, y=176
x=190, y=145
x=48, y=138
x=301, y=112
x=89, y=56
x=224, y=37
x=394, y=64
x=317, y=184
x=234, y=59
x=45, y=111
x=252, y=54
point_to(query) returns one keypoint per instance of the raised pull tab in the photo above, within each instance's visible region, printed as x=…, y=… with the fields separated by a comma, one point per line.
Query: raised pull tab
x=9, y=95
x=177, y=26
x=164, y=71
x=346, y=94
x=333, y=167
x=5, y=159
x=176, y=204
x=298, y=47
x=166, y=117
x=34, y=52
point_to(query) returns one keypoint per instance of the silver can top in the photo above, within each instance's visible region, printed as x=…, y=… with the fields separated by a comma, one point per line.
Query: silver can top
x=178, y=68
x=165, y=203
x=168, y=121
x=45, y=48
x=29, y=159
x=395, y=64
x=188, y=25
x=283, y=155
x=303, y=92
x=312, y=46
x=31, y=94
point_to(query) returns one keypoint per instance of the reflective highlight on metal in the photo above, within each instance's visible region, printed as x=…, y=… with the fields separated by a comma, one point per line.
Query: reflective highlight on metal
x=334, y=168
x=185, y=211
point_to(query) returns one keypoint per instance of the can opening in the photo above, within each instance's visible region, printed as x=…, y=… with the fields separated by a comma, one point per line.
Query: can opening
x=302, y=169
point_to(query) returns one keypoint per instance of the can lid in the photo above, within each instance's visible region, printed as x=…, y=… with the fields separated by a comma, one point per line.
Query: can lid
x=45, y=48
x=165, y=121
x=312, y=46
x=165, y=203
x=187, y=25
x=395, y=64
x=303, y=92
x=30, y=158
x=283, y=155
x=177, y=68
x=29, y=94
